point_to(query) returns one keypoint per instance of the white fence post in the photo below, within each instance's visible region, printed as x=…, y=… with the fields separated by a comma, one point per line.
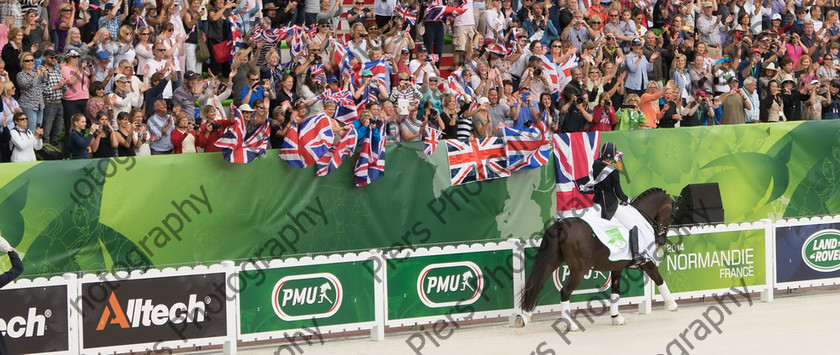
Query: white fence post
x=74, y=318
x=377, y=332
x=518, y=272
x=769, y=260
x=646, y=305
x=231, y=307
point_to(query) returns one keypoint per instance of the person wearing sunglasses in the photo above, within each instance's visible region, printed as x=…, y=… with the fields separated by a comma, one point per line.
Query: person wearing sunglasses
x=24, y=142
x=359, y=13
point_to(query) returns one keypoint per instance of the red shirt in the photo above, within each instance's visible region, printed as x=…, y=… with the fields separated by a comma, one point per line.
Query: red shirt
x=602, y=120
x=208, y=142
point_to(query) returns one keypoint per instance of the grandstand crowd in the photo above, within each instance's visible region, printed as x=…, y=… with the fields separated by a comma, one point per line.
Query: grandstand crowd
x=91, y=78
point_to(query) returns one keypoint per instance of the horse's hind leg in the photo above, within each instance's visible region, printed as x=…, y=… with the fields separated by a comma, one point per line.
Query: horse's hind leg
x=653, y=272
x=617, y=318
x=575, y=277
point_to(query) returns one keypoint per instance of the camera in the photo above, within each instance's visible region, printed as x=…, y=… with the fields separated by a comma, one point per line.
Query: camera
x=216, y=126
x=608, y=102
x=433, y=113
x=195, y=126
x=579, y=100
x=537, y=71
x=363, y=35
x=107, y=129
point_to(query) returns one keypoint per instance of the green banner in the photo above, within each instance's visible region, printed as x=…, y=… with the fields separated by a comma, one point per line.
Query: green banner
x=596, y=285
x=306, y=296
x=449, y=284
x=712, y=261
x=89, y=215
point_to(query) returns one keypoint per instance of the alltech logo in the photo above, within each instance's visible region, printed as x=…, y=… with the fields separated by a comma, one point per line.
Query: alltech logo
x=821, y=251
x=32, y=325
x=307, y=296
x=141, y=312
x=450, y=284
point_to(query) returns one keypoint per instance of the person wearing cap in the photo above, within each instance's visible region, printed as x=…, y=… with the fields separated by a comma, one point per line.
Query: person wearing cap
x=832, y=111
x=185, y=95
x=814, y=101
x=421, y=64
x=770, y=73
x=370, y=90
x=54, y=86
x=801, y=15
x=103, y=71
x=792, y=98
x=75, y=97
x=734, y=104
x=776, y=25
x=709, y=27
x=638, y=68
x=123, y=97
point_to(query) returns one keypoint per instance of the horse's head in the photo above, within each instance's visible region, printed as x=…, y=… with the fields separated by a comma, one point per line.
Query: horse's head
x=658, y=209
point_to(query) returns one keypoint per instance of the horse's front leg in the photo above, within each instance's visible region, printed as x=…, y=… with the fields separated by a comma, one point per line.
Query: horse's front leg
x=617, y=318
x=651, y=270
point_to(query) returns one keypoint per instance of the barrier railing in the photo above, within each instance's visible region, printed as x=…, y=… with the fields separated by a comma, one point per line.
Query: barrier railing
x=300, y=300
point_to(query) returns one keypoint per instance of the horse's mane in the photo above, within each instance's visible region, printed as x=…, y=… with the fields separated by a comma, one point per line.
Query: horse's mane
x=648, y=192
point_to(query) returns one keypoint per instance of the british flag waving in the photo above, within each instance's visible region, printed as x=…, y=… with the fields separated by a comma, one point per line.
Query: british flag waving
x=431, y=140
x=476, y=160
x=332, y=160
x=528, y=148
x=305, y=144
x=371, y=163
x=573, y=157
x=240, y=147
x=407, y=13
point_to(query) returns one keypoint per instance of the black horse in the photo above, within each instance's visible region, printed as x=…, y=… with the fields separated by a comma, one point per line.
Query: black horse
x=570, y=240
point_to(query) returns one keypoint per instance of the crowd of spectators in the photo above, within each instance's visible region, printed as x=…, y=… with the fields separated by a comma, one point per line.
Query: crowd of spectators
x=141, y=77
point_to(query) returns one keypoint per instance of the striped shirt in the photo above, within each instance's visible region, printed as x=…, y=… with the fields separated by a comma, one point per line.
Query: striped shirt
x=465, y=127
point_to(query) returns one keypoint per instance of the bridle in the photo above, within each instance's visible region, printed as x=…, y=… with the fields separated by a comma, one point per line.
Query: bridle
x=660, y=230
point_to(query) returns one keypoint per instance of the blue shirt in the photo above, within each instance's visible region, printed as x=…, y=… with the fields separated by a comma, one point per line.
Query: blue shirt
x=524, y=116
x=259, y=93
x=637, y=76
x=164, y=142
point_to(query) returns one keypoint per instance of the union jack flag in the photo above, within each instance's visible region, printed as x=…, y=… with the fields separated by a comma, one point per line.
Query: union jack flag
x=564, y=71
x=345, y=111
x=431, y=140
x=332, y=160
x=239, y=146
x=455, y=89
x=476, y=160
x=434, y=58
x=235, y=34
x=371, y=163
x=439, y=12
x=499, y=48
x=407, y=13
x=305, y=144
x=550, y=69
x=377, y=68
x=270, y=35
x=574, y=154
x=317, y=72
x=528, y=148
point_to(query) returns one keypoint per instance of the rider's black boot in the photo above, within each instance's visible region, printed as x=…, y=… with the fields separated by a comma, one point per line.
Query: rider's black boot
x=638, y=259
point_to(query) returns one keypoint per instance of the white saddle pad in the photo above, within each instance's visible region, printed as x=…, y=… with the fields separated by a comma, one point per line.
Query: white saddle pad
x=614, y=234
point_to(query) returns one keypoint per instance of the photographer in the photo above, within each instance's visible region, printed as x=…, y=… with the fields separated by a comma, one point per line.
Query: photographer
x=735, y=104
x=817, y=98
x=413, y=128
x=257, y=89
x=212, y=128
x=358, y=14
x=104, y=142
x=603, y=116
x=524, y=111
x=698, y=110
x=183, y=136
x=422, y=63
x=577, y=118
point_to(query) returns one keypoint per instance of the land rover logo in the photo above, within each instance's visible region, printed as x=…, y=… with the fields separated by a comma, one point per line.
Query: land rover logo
x=821, y=251
x=307, y=296
x=450, y=284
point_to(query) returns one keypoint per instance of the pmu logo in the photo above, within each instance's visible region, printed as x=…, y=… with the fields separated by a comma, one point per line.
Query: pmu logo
x=33, y=325
x=450, y=284
x=821, y=251
x=140, y=312
x=307, y=296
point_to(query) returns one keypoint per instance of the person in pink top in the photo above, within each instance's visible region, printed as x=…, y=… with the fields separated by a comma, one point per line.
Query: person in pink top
x=76, y=96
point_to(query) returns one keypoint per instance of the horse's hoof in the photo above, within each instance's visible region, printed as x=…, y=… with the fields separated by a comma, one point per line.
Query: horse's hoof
x=522, y=320
x=671, y=306
x=569, y=326
x=618, y=320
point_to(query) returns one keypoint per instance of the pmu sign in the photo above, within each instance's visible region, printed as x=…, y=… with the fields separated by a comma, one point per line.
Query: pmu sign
x=424, y=284
x=298, y=296
x=34, y=320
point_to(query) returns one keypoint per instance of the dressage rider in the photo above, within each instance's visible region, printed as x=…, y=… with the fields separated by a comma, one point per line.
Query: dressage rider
x=606, y=186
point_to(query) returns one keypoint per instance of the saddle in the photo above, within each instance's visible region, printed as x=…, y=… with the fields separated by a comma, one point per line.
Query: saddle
x=615, y=235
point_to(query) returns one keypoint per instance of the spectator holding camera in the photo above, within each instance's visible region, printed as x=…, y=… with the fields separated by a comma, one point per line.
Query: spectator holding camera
x=359, y=13
x=577, y=118
x=127, y=141
x=212, y=127
x=422, y=65
x=604, y=117
x=183, y=136
x=23, y=141
x=816, y=98
x=698, y=110
x=104, y=142
x=735, y=104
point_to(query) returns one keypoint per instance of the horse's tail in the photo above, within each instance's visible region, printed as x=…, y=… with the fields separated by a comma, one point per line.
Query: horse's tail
x=549, y=257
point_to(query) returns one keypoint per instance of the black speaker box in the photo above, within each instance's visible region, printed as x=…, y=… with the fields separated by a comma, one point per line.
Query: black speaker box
x=700, y=203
